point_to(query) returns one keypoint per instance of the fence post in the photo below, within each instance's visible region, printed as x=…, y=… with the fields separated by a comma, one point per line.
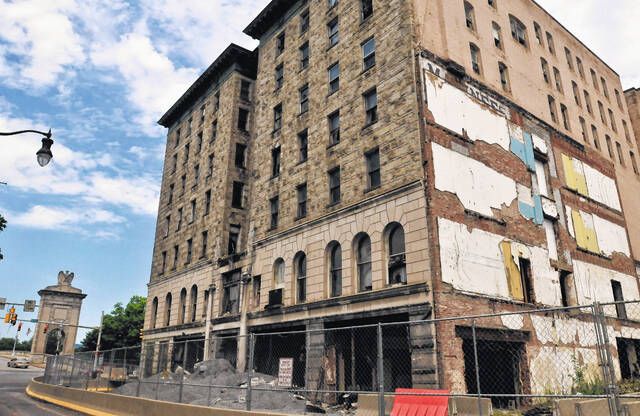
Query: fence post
x=250, y=370
x=124, y=364
x=381, y=405
x=142, y=357
x=475, y=358
x=73, y=367
x=184, y=368
x=113, y=352
x=612, y=386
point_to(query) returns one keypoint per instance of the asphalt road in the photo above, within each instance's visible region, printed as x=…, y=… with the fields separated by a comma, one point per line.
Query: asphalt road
x=15, y=402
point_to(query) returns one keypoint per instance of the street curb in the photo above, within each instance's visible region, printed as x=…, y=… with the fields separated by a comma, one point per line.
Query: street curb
x=67, y=405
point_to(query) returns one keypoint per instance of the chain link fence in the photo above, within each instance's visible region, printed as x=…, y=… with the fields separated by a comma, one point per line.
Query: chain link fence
x=523, y=363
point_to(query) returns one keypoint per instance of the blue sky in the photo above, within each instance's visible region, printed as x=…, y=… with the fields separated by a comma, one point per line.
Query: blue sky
x=99, y=74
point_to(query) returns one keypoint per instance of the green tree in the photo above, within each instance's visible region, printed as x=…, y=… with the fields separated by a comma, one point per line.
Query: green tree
x=6, y=344
x=121, y=326
x=3, y=225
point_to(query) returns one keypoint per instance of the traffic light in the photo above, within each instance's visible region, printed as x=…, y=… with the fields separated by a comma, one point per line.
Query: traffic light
x=14, y=318
x=20, y=327
x=7, y=318
x=141, y=333
x=45, y=329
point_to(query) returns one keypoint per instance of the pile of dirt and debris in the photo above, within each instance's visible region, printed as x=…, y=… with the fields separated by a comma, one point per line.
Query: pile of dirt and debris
x=216, y=383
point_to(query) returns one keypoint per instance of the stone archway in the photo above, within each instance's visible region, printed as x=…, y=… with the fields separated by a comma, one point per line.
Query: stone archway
x=54, y=342
x=58, y=315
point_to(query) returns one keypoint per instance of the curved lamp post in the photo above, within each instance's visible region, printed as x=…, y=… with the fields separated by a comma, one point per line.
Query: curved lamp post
x=43, y=155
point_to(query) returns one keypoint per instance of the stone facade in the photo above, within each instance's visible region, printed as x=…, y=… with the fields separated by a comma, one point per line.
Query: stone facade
x=59, y=313
x=207, y=136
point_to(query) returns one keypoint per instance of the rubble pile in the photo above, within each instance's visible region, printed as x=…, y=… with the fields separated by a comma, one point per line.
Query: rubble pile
x=216, y=383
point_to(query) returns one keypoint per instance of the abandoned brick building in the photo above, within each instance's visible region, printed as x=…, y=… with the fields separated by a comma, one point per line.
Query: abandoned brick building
x=395, y=161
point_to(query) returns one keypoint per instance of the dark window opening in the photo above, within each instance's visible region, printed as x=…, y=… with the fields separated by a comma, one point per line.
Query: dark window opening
x=373, y=168
x=303, y=143
x=234, y=238
x=245, y=90
x=301, y=192
x=275, y=162
x=335, y=270
x=241, y=151
x=397, y=266
x=238, y=193
x=334, y=128
x=371, y=107
x=334, y=78
x=621, y=309
x=243, y=119
x=280, y=43
x=231, y=292
x=304, y=55
x=334, y=186
x=274, y=207
x=277, y=117
x=502, y=366
x=526, y=279
x=367, y=8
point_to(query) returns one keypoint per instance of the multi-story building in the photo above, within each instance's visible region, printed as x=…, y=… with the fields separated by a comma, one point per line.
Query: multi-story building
x=406, y=160
x=632, y=96
x=202, y=216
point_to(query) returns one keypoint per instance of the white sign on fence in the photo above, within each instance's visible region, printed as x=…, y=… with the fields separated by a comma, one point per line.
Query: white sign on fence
x=285, y=372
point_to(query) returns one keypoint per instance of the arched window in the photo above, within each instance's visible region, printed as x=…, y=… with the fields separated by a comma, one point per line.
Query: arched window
x=278, y=273
x=167, y=309
x=154, y=312
x=194, y=302
x=300, y=270
x=397, y=266
x=335, y=268
x=182, y=311
x=363, y=262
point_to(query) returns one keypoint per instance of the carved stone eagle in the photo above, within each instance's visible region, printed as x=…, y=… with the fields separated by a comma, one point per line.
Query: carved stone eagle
x=65, y=278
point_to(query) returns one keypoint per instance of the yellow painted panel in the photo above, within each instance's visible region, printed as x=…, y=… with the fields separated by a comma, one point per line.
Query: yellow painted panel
x=585, y=236
x=575, y=180
x=513, y=272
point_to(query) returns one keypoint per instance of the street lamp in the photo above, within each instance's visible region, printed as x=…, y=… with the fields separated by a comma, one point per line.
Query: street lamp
x=43, y=155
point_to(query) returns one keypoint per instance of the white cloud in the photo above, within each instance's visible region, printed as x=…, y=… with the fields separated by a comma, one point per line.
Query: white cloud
x=41, y=34
x=63, y=218
x=90, y=176
x=154, y=82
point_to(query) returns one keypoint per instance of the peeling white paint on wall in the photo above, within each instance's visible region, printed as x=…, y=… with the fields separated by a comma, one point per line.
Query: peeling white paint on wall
x=453, y=109
x=549, y=207
x=552, y=245
x=611, y=237
x=478, y=187
x=546, y=281
x=472, y=261
x=554, y=368
x=601, y=187
x=539, y=144
x=593, y=283
x=514, y=322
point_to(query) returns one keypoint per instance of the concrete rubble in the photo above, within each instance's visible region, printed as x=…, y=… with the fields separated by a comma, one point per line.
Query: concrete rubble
x=216, y=383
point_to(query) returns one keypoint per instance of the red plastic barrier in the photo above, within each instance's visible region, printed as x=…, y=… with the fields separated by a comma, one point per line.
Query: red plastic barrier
x=410, y=405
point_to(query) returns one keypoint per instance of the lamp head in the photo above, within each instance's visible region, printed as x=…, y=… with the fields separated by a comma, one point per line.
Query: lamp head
x=44, y=155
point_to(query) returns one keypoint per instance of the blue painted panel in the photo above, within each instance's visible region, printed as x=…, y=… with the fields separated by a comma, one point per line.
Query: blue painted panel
x=534, y=212
x=524, y=151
